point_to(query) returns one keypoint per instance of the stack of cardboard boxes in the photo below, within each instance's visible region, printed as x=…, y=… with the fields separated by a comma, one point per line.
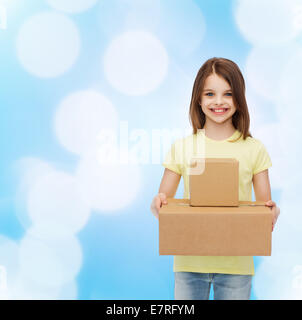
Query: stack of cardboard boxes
x=213, y=222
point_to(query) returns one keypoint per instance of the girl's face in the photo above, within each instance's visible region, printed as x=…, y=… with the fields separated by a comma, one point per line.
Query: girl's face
x=216, y=99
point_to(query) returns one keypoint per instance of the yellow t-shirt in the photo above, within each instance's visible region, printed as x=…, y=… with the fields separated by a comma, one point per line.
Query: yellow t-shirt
x=253, y=158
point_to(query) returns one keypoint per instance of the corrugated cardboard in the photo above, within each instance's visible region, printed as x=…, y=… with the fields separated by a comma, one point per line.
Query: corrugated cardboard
x=216, y=183
x=215, y=231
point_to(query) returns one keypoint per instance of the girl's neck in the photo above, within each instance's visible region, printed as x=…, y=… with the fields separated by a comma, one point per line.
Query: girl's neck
x=219, y=131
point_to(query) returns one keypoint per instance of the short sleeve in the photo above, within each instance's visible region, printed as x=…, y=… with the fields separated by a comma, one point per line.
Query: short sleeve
x=172, y=159
x=262, y=160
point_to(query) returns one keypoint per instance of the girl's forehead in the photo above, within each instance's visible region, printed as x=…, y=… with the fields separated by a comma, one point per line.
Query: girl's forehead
x=214, y=81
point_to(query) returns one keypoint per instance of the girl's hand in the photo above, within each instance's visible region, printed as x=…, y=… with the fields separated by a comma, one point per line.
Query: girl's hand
x=275, y=209
x=157, y=202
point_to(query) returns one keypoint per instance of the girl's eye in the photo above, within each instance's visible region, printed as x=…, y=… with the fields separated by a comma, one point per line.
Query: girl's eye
x=210, y=94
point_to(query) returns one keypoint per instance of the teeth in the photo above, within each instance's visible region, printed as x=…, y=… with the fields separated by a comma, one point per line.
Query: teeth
x=218, y=110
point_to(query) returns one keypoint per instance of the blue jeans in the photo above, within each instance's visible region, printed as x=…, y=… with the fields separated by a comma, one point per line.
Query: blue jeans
x=196, y=286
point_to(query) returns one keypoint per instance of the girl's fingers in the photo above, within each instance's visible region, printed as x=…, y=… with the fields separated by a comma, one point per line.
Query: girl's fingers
x=163, y=197
x=270, y=203
x=158, y=203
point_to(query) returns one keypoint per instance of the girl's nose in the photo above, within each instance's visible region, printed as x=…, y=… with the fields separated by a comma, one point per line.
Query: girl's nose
x=219, y=100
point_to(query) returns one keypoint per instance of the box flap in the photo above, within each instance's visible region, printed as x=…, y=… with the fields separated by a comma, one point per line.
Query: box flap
x=180, y=206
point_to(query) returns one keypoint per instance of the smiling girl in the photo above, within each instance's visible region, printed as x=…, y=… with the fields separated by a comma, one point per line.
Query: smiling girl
x=218, y=105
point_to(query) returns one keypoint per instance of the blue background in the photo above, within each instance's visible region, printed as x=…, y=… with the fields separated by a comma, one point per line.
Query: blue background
x=120, y=251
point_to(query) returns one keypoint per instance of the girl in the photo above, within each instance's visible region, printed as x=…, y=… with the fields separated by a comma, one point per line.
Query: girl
x=218, y=106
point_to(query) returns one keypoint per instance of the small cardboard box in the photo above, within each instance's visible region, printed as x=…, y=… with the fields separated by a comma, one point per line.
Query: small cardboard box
x=214, y=182
x=245, y=230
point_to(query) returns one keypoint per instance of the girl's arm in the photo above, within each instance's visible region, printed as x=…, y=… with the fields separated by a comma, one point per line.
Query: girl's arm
x=262, y=186
x=167, y=189
x=262, y=189
x=169, y=183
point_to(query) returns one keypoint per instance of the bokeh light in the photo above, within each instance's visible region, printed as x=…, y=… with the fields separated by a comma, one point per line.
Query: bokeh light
x=107, y=187
x=182, y=26
x=9, y=264
x=80, y=117
x=72, y=6
x=49, y=260
x=278, y=275
x=135, y=63
x=55, y=199
x=264, y=68
x=48, y=44
x=276, y=21
x=128, y=15
x=290, y=91
x=28, y=170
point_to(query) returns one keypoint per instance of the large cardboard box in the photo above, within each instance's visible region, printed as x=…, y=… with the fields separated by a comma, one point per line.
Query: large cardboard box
x=214, y=182
x=245, y=230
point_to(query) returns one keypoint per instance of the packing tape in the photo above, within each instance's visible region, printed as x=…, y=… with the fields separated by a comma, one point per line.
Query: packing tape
x=240, y=205
x=251, y=204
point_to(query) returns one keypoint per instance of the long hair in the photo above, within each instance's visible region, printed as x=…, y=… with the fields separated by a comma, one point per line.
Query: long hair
x=228, y=70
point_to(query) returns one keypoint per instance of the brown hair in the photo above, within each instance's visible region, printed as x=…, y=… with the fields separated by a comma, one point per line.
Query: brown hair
x=228, y=70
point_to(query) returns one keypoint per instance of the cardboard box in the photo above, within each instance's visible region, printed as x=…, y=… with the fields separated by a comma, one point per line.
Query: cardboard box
x=245, y=230
x=214, y=182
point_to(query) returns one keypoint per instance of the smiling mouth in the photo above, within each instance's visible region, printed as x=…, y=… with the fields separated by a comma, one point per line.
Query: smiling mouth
x=219, y=110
